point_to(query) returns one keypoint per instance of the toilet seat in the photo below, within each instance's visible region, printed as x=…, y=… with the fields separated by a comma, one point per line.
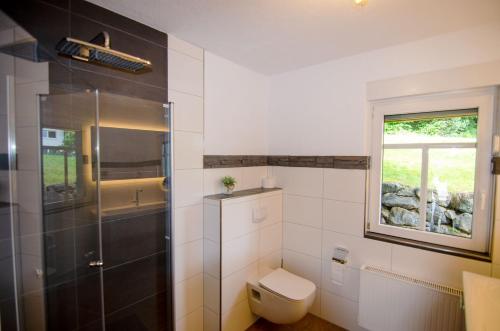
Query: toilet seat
x=287, y=285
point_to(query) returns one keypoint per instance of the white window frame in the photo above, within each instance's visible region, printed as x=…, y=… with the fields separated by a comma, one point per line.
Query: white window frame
x=484, y=100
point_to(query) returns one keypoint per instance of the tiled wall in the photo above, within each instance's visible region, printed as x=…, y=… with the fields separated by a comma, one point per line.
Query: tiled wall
x=237, y=250
x=185, y=79
x=324, y=208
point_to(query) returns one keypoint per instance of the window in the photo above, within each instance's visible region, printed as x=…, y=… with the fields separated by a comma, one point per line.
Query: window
x=431, y=178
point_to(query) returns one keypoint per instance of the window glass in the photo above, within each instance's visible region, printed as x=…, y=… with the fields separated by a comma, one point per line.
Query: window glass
x=430, y=156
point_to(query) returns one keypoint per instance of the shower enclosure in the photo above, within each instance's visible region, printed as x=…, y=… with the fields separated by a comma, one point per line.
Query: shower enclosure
x=84, y=198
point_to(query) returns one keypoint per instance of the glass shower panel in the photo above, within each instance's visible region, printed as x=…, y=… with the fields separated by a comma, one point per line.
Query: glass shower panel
x=133, y=146
x=71, y=227
x=84, y=199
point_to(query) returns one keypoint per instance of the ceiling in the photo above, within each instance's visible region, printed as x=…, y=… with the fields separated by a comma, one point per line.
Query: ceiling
x=274, y=36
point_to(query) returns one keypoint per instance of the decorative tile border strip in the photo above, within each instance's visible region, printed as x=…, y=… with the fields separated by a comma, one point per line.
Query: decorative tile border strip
x=233, y=161
x=338, y=162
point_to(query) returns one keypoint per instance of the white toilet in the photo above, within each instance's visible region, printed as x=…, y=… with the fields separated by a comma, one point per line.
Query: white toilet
x=281, y=297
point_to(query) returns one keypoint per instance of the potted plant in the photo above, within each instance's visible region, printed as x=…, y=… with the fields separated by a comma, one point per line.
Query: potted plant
x=229, y=183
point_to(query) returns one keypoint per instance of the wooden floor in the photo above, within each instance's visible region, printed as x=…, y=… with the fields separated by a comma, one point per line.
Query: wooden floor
x=308, y=323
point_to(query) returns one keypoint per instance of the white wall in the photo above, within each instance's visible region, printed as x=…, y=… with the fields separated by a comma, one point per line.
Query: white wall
x=220, y=107
x=185, y=83
x=321, y=110
x=236, y=108
x=315, y=110
x=324, y=208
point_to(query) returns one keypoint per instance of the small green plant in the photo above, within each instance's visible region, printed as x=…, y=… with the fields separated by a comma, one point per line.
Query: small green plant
x=229, y=181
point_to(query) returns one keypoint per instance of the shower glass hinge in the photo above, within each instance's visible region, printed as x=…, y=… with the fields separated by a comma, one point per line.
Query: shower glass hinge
x=95, y=264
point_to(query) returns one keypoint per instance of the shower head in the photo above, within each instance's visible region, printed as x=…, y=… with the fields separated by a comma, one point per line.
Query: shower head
x=101, y=54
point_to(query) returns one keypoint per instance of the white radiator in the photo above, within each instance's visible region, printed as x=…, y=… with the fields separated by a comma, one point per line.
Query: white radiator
x=393, y=302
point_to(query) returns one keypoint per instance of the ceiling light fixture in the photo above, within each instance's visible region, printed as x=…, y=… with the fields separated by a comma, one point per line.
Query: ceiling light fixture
x=360, y=3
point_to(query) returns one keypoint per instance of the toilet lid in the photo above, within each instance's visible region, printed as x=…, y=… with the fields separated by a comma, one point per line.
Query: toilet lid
x=288, y=285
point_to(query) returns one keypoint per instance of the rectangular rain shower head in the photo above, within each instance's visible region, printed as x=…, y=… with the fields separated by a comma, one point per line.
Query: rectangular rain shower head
x=101, y=54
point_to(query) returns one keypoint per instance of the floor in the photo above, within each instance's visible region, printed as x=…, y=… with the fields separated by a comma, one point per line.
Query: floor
x=308, y=323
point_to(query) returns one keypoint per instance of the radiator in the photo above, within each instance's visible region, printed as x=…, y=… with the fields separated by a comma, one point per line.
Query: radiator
x=390, y=301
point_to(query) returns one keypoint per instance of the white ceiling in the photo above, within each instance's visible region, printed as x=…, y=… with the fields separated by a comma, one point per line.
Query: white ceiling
x=274, y=36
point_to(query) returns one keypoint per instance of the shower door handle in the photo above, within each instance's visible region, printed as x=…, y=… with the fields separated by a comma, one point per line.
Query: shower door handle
x=95, y=264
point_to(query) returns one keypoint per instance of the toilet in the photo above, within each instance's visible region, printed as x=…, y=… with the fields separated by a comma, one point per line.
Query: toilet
x=281, y=297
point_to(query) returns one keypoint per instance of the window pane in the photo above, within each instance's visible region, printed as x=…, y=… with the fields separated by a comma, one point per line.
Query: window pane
x=401, y=175
x=451, y=191
x=450, y=171
x=433, y=127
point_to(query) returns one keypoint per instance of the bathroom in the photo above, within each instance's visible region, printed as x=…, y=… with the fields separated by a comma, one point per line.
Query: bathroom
x=114, y=215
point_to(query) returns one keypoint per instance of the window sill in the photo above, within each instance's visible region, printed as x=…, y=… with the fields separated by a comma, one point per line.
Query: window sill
x=485, y=257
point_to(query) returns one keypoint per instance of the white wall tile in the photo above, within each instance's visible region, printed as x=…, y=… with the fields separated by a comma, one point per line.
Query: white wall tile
x=185, y=73
x=191, y=322
x=211, y=293
x=441, y=268
x=211, y=222
x=302, y=239
x=345, y=185
x=29, y=200
x=185, y=47
x=339, y=311
x=302, y=265
x=213, y=177
x=210, y=321
x=28, y=71
x=316, y=306
x=270, y=262
x=27, y=102
x=188, y=224
x=188, y=260
x=234, y=287
x=344, y=217
x=188, y=296
x=211, y=258
x=27, y=147
x=361, y=250
x=188, y=150
x=304, y=210
x=350, y=287
x=252, y=177
x=239, y=318
x=300, y=181
x=188, y=187
x=271, y=238
x=240, y=252
x=188, y=111
x=237, y=219
x=273, y=205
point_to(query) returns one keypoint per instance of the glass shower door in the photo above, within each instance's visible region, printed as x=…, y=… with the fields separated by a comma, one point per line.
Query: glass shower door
x=71, y=241
x=134, y=150
x=84, y=199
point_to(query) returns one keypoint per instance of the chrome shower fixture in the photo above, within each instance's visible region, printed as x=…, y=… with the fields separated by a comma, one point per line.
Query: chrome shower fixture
x=98, y=51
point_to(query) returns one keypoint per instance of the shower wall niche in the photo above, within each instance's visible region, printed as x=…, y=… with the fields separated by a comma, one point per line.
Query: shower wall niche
x=85, y=246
